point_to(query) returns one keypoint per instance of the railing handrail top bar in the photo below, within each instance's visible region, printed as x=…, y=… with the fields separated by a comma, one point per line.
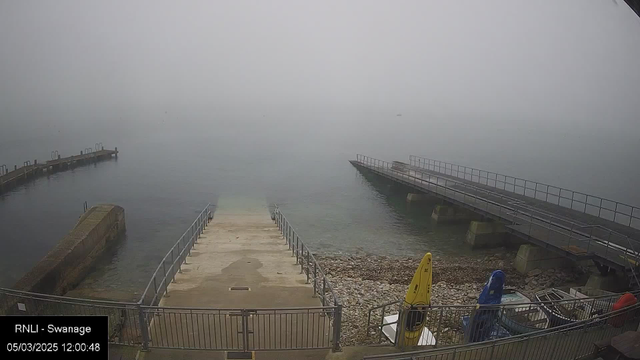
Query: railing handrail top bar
x=537, y=182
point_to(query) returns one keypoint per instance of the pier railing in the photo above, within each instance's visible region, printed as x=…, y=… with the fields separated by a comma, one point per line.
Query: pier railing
x=451, y=325
x=311, y=268
x=172, y=262
x=570, y=341
x=607, y=209
x=572, y=237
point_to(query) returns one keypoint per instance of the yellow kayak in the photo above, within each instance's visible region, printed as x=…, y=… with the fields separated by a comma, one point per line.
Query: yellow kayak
x=418, y=296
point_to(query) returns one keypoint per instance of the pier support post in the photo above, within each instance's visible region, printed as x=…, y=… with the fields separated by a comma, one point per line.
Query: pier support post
x=450, y=213
x=486, y=234
x=533, y=257
x=611, y=282
x=418, y=198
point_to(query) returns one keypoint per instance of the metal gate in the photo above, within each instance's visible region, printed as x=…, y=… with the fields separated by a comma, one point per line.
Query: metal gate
x=240, y=329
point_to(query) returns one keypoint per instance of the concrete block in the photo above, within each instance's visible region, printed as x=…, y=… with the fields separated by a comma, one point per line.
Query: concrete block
x=449, y=213
x=486, y=234
x=415, y=198
x=533, y=257
x=611, y=282
x=69, y=261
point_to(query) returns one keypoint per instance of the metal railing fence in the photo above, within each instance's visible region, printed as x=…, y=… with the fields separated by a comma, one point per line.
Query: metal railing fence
x=570, y=341
x=570, y=236
x=173, y=260
x=454, y=325
x=309, y=266
x=241, y=329
x=607, y=209
x=125, y=327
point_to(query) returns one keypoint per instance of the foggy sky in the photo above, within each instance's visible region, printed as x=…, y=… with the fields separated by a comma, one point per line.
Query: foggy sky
x=557, y=59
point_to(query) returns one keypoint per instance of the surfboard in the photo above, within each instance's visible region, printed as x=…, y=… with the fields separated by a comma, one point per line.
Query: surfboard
x=418, y=296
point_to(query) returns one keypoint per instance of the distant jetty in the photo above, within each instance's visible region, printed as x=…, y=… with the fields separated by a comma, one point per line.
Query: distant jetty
x=30, y=171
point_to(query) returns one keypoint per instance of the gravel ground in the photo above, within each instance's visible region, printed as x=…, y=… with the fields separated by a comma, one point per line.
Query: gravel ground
x=365, y=281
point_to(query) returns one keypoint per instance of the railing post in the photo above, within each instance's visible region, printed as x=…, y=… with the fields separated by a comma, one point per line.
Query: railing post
x=400, y=327
x=245, y=335
x=439, y=323
x=155, y=288
x=143, y=328
x=308, y=262
x=324, y=285
x=315, y=277
x=302, y=258
x=337, y=324
x=492, y=349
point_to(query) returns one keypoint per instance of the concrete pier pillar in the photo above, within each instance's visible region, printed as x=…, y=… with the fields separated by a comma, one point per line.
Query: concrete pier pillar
x=417, y=198
x=486, y=234
x=450, y=213
x=533, y=257
x=610, y=282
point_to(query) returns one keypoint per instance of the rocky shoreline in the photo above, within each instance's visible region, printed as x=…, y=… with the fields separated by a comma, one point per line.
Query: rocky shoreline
x=365, y=281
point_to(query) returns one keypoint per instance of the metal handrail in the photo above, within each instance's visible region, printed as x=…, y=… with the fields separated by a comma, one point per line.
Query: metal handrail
x=514, y=213
x=583, y=324
x=194, y=231
x=298, y=248
x=438, y=166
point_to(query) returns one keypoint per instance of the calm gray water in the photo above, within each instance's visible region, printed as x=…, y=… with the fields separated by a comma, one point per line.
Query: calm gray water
x=168, y=171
